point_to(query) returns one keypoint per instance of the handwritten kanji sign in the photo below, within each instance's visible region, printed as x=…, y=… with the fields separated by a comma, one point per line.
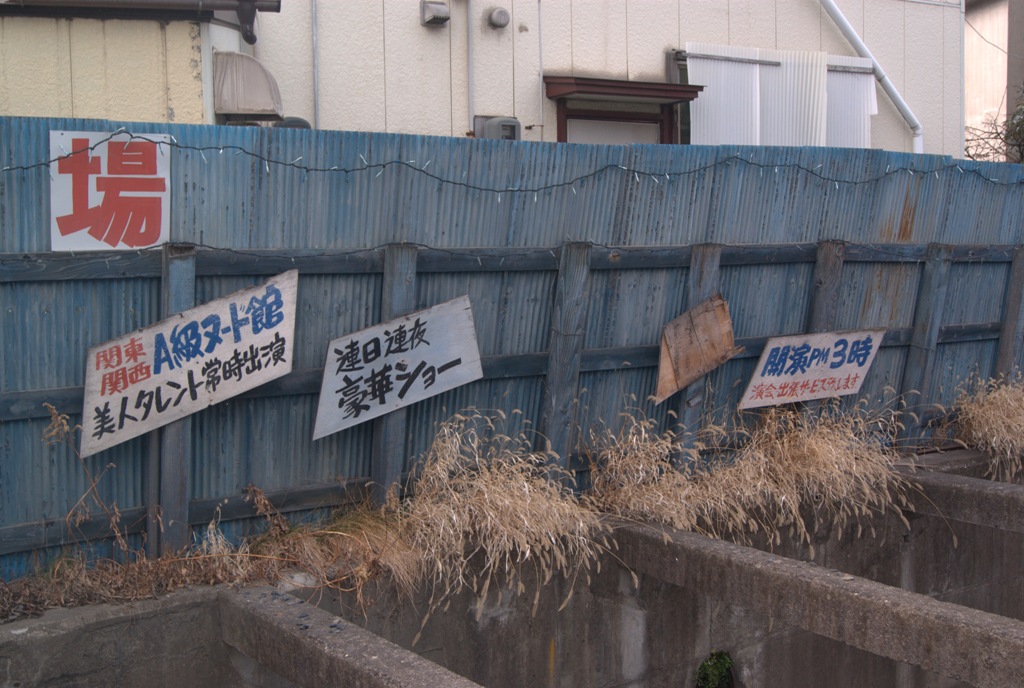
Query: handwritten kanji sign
x=156, y=375
x=811, y=366
x=383, y=368
x=109, y=192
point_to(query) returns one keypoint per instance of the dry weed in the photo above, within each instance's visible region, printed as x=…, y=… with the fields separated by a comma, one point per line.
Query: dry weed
x=633, y=474
x=353, y=548
x=989, y=416
x=488, y=512
x=838, y=463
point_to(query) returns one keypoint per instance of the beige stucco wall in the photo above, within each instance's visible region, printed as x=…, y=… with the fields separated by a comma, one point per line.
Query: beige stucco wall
x=380, y=70
x=113, y=69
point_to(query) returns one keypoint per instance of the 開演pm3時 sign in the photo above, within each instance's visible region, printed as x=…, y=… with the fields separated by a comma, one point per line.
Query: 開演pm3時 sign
x=156, y=375
x=811, y=366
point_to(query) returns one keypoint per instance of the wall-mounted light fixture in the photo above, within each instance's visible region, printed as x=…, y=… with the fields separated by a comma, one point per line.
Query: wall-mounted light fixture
x=434, y=13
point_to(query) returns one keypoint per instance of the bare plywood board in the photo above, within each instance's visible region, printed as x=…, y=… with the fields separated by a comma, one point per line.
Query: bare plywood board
x=693, y=345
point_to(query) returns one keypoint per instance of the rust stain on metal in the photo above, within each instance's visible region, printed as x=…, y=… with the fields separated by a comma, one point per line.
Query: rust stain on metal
x=907, y=216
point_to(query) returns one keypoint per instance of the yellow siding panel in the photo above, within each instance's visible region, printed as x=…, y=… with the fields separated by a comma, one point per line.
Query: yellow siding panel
x=35, y=68
x=184, y=70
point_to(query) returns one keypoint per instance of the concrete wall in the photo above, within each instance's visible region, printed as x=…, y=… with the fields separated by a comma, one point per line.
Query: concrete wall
x=868, y=601
x=380, y=70
x=207, y=638
x=145, y=71
x=841, y=621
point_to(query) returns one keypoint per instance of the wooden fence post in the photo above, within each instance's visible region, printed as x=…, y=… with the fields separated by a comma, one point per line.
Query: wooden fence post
x=568, y=326
x=1011, y=334
x=178, y=285
x=931, y=299
x=398, y=298
x=828, y=277
x=704, y=281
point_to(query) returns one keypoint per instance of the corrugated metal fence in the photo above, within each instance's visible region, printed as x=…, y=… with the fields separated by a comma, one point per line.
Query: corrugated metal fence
x=574, y=258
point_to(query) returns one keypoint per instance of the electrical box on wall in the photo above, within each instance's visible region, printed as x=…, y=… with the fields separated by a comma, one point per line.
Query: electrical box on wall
x=498, y=128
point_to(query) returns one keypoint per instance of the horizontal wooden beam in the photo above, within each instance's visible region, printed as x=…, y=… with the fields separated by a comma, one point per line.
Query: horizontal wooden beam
x=213, y=262
x=308, y=497
x=29, y=404
x=58, y=532
x=487, y=259
x=640, y=257
x=53, y=267
x=45, y=267
x=55, y=532
x=769, y=254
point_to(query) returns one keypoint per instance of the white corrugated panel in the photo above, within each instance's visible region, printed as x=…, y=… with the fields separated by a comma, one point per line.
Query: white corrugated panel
x=793, y=111
x=851, y=103
x=794, y=102
x=728, y=109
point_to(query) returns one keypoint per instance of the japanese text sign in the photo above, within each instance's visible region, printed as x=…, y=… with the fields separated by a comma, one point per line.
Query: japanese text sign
x=179, y=366
x=109, y=192
x=383, y=368
x=811, y=366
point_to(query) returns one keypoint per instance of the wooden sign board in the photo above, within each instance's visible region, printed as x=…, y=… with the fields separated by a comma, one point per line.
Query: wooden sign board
x=811, y=366
x=383, y=368
x=159, y=374
x=693, y=345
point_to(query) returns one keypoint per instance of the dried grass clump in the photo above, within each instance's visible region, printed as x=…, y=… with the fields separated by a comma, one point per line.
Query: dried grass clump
x=633, y=475
x=838, y=464
x=488, y=512
x=989, y=416
x=346, y=553
x=73, y=580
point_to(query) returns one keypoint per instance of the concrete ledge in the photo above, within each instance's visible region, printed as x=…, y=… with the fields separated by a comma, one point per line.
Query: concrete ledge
x=316, y=648
x=970, y=500
x=170, y=641
x=982, y=649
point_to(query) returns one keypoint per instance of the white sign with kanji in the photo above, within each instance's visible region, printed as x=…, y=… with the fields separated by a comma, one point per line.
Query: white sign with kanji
x=109, y=192
x=383, y=368
x=811, y=366
x=156, y=375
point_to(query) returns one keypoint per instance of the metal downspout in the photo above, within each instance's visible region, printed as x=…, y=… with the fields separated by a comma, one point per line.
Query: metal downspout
x=890, y=89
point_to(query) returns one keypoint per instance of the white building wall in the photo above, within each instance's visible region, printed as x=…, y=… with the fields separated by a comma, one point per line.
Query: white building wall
x=381, y=70
x=985, y=77
x=116, y=69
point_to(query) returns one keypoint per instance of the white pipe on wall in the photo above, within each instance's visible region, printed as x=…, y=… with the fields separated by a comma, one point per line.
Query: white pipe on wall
x=890, y=89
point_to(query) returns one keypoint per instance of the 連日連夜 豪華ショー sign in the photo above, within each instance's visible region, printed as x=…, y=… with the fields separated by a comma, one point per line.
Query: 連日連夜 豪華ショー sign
x=383, y=368
x=109, y=191
x=811, y=366
x=181, y=365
